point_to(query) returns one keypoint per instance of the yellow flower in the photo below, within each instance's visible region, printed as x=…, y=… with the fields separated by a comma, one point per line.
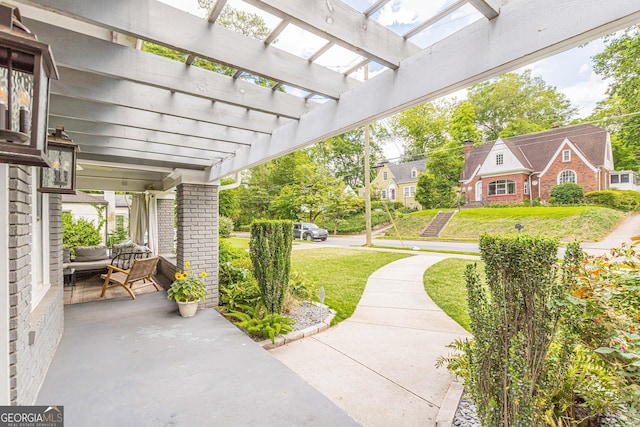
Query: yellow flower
x=185, y=274
x=187, y=264
x=203, y=274
x=178, y=275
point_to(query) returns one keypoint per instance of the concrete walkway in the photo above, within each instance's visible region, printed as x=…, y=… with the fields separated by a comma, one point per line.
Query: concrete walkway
x=378, y=366
x=629, y=227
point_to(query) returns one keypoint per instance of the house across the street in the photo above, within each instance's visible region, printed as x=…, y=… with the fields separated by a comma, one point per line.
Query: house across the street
x=510, y=170
x=397, y=182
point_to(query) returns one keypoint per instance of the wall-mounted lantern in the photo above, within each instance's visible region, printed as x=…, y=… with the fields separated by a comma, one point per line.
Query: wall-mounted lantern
x=26, y=65
x=61, y=176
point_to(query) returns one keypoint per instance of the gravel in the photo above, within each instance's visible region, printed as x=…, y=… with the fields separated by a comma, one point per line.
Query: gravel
x=466, y=416
x=308, y=314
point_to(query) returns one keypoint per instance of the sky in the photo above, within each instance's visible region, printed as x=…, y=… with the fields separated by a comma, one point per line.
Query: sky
x=570, y=72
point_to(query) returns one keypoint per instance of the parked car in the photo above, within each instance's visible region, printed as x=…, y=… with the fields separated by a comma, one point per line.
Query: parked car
x=309, y=231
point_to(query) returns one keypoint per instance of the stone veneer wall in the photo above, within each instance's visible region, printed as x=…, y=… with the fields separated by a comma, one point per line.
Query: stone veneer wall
x=165, y=225
x=33, y=335
x=198, y=234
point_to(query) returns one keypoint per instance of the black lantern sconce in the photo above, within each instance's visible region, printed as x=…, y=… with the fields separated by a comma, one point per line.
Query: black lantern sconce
x=26, y=65
x=61, y=176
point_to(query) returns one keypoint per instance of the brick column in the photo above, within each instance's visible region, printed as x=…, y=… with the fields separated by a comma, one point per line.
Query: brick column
x=55, y=239
x=165, y=226
x=33, y=334
x=198, y=234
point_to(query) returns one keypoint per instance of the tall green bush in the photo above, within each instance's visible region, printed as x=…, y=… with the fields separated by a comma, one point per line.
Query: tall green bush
x=514, y=318
x=623, y=200
x=568, y=193
x=79, y=232
x=270, y=251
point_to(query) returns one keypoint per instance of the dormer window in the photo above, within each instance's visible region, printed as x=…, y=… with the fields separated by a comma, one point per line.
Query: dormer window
x=566, y=155
x=499, y=159
x=414, y=173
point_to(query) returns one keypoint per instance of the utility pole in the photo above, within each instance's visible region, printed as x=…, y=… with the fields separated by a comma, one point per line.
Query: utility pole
x=367, y=174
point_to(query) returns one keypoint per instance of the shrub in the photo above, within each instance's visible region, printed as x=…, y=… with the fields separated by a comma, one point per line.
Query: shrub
x=623, y=200
x=514, y=318
x=117, y=236
x=270, y=251
x=79, y=232
x=260, y=324
x=568, y=193
x=605, y=313
x=225, y=226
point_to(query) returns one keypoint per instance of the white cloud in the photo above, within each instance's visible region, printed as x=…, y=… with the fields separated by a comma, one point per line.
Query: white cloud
x=586, y=94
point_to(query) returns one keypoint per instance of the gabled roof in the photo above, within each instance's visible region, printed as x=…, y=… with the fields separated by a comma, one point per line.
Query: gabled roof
x=402, y=171
x=536, y=150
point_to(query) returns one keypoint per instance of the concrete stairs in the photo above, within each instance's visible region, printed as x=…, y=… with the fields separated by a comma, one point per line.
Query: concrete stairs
x=437, y=224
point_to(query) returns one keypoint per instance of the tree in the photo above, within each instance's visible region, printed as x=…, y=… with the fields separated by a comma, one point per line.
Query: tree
x=619, y=64
x=463, y=123
x=340, y=205
x=343, y=155
x=423, y=127
x=514, y=104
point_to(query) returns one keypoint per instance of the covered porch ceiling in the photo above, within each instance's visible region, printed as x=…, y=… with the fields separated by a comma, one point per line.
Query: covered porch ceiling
x=144, y=122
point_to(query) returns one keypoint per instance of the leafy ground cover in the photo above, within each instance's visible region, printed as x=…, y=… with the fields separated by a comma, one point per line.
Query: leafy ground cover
x=342, y=272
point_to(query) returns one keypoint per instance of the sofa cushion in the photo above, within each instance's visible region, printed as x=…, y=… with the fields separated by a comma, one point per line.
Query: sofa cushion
x=90, y=265
x=66, y=255
x=90, y=253
x=122, y=248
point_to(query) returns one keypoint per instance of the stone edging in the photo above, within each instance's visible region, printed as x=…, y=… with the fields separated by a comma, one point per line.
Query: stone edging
x=302, y=333
x=449, y=407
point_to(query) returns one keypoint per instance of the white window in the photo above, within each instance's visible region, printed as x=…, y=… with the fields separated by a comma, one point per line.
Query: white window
x=566, y=155
x=566, y=176
x=624, y=178
x=615, y=179
x=383, y=194
x=385, y=175
x=499, y=159
x=526, y=187
x=409, y=191
x=503, y=186
x=414, y=173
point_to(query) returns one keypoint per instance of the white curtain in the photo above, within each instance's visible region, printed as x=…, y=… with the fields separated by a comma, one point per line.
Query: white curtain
x=138, y=219
x=153, y=224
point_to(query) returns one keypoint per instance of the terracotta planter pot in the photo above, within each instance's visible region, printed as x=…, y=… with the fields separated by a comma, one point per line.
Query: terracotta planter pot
x=188, y=309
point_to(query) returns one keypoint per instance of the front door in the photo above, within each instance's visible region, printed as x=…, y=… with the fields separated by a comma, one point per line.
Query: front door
x=479, y=191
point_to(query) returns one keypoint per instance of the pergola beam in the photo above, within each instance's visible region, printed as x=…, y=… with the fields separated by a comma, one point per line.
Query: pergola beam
x=165, y=25
x=97, y=56
x=524, y=32
x=63, y=107
x=105, y=90
x=489, y=8
x=208, y=148
x=339, y=23
x=429, y=22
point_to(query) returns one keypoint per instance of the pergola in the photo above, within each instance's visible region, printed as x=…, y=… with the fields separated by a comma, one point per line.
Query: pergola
x=142, y=121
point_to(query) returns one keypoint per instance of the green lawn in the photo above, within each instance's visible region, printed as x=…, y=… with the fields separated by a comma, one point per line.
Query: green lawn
x=238, y=242
x=585, y=223
x=444, y=283
x=342, y=272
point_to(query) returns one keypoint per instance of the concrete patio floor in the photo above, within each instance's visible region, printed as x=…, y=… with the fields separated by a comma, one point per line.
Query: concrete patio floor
x=124, y=362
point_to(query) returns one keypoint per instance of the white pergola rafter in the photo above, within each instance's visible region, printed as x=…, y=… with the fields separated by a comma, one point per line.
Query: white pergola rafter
x=104, y=90
x=171, y=27
x=344, y=26
x=524, y=32
x=100, y=57
x=63, y=107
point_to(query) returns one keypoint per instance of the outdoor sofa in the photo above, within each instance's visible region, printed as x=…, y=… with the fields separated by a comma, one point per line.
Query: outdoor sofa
x=96, y=258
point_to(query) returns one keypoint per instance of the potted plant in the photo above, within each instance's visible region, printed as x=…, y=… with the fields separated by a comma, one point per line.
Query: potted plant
x=187, y=290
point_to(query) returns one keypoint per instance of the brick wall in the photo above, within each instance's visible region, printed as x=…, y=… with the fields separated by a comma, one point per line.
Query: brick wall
x=197, y=206
x=33, y=335
x=586, y=177
x=165, y=226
